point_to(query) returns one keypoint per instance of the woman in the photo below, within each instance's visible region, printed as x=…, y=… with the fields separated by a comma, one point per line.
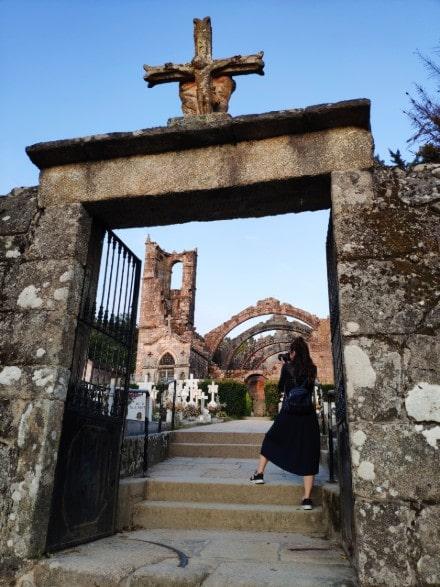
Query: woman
x=293, y=441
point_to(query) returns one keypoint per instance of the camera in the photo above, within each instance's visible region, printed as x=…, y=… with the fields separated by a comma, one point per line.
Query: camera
x=284, y=357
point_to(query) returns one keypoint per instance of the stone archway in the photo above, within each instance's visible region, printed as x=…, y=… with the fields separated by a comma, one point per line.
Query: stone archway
x=250, y=166
x=255, y=383
x=261, y=308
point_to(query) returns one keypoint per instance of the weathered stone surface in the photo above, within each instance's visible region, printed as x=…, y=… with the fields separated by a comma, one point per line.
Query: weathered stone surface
x=22, y=200
x=166, y=574
x=394, y=461
x=374, y=377
x=44, y=285
x=421, y=358
x=385, y=549
x=36, y=338
x=132, y=457
x=428, y=538
x=394, y=295
x=30, y=487
x=421, y=185
x=12, y=247
x=100, y=564
x=369, y=225
x=331, y=509
x=349, y=113
x=212, y=168
x=63, y=232
x=33, y=382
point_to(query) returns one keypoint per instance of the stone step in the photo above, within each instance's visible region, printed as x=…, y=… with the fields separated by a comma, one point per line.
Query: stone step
x=226, y=492
x=249, y=517
x=215, y=558
x=180, y=436
x=223, y=451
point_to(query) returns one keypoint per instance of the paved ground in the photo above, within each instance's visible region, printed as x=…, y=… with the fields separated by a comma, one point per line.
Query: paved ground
x=261, y=425
x=211, y=558
x=224, y=471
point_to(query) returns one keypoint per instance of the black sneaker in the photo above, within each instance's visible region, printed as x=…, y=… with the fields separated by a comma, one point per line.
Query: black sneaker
x=307, y=504
x=257, y=478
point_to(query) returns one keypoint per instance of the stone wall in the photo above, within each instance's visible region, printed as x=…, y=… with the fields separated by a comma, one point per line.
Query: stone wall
x=42, y=253
x=387, y=233
x=132, y=457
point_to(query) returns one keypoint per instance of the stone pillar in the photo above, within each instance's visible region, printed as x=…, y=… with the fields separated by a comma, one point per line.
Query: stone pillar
x=42, y=257
x=386, y=227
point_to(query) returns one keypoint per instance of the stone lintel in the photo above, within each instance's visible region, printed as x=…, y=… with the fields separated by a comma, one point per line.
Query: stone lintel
x=251, y=178
x=202, y=133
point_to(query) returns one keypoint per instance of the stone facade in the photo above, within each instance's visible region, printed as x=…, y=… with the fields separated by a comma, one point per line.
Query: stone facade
x=168, y=346
x=387, y=233
x=42, y=254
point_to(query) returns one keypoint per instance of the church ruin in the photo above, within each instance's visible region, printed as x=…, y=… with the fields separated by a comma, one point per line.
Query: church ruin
x=169, y=347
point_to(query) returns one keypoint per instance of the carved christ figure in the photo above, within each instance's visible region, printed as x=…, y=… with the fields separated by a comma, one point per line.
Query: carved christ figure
x=205, y=85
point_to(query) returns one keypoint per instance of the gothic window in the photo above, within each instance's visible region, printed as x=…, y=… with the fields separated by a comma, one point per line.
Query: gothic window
x=166, y=368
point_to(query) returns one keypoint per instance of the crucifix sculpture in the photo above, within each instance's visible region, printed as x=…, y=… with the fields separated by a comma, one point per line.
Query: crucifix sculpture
x=205, y=84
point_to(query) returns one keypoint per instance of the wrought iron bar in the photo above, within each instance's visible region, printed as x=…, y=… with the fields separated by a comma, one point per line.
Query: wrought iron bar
x=173, y=413
x=146, y=432
x=331, y=460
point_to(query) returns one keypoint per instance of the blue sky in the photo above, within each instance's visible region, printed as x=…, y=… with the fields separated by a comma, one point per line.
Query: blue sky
x=74, y=67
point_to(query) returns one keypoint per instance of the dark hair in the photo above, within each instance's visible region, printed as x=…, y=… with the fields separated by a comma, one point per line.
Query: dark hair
x=303, y=366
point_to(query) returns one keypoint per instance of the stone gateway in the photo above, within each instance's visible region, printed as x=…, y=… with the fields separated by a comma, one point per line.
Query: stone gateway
x=385, y=323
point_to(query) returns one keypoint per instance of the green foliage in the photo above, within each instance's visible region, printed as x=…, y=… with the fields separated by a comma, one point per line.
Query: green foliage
x=233, y=394
x=271, y=397
x=397, y=159
x=425, y=114
x=134, y=386
x=204, y=385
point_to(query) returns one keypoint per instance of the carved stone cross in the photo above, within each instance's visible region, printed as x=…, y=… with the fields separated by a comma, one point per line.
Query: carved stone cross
x=205, y=84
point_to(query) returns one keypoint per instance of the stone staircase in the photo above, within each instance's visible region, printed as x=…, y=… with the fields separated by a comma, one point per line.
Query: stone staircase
x=196, y=520
x=225, y=500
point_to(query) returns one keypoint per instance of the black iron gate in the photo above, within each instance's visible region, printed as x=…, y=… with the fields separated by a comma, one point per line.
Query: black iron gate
x=85, y=491
x=344, y=460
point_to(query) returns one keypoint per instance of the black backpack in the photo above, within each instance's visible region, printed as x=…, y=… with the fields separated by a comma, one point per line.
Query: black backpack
x=298, y=400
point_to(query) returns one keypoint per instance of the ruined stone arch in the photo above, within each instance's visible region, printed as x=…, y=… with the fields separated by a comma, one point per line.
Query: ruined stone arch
x=261, y=308
x=263, y=344
x=257, y=360
x=268, y=355
x=278, y=323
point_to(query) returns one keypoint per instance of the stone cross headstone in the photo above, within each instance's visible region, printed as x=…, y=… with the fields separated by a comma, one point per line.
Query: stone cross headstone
x=193, y=388
x=206, y=84
x=213, y=389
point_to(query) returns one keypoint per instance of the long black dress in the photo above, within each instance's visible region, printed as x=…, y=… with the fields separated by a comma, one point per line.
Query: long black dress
x=293, y=443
